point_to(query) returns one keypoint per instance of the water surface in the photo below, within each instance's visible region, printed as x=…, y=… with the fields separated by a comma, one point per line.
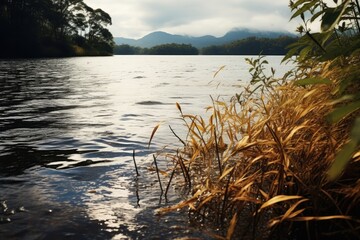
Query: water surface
x=69, y=128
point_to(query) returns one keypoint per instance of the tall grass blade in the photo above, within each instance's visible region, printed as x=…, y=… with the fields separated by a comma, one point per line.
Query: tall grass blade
x=179, y=108
x=277, y=199
x=153, y=133
x=219, y=70
x=232, y=226
x=312, y=81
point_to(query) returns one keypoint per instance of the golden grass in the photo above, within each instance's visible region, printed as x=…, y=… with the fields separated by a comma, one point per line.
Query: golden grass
x=257, y=168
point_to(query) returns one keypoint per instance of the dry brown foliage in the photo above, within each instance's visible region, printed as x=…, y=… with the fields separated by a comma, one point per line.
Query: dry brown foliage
x=258, y=167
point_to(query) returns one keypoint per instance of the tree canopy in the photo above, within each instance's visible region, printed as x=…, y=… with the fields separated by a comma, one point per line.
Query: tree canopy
x=32, y=28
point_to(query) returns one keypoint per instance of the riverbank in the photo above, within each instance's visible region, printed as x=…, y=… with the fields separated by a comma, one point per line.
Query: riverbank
x=58, y=50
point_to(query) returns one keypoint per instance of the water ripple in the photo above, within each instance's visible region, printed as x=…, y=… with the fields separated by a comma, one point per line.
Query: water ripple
x=150, y=103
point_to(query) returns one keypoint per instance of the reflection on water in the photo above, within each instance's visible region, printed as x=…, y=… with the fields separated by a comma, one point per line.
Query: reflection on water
x=68, y=131
x=67, y=203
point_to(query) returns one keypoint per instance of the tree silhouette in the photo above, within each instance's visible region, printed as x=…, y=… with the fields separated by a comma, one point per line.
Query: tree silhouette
x=32, y=28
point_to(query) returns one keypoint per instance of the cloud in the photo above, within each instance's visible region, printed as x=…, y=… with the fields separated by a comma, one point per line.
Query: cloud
x=194, y=17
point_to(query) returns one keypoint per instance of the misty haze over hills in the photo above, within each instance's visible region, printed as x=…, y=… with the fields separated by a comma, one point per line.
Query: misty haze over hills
x=158, y=38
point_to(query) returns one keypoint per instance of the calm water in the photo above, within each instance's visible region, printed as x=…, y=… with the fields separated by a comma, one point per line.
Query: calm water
x=68, y=131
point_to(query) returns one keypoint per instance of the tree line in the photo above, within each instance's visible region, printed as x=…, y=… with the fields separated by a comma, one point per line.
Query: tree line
x=163, y=49
x=35, y=28
x=248, y=46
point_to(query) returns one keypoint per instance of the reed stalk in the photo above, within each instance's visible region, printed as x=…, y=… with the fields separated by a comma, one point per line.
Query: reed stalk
x=158, y=175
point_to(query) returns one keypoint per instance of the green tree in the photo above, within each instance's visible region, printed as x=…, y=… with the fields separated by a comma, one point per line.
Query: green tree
x=99, y=36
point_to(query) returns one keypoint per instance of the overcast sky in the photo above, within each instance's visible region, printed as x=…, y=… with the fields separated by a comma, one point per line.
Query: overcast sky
x=136, y=18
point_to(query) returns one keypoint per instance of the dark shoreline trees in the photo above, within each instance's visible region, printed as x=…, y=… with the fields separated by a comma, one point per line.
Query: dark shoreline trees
x=248, y=46
x=52, y=28
x=252, y=46
x=163, y=49
x=173, y=49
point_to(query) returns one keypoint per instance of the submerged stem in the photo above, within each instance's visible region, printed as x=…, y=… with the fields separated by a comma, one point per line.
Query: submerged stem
x=158, y=175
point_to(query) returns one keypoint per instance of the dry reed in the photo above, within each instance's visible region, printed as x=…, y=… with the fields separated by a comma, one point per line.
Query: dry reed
x=258, y=167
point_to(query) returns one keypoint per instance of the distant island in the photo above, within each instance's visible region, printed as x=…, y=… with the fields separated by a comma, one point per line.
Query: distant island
x=53, y=29
x=236, y=42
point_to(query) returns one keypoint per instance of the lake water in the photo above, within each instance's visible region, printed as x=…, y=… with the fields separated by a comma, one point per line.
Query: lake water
x=69, y=128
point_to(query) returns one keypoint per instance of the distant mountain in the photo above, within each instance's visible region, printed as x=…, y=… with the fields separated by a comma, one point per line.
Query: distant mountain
x=158, y=38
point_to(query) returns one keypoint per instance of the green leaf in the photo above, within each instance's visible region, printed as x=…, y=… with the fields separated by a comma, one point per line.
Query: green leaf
x=348, y=97
x=316, y=15
x=341, y=112
x=298, y=3
x=332, y=16
x=304, y=8
x=342, y=86
x=323, y=37
x=341, y=160
x=312, y=81
x=293, y=51
x=355, y=131
x=304, y=52
x=344, y=156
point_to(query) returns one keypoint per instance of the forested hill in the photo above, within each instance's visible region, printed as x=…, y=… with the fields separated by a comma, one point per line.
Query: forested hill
x=52, y=28
x=160, y=38
x=247, y=46
x=252, y=46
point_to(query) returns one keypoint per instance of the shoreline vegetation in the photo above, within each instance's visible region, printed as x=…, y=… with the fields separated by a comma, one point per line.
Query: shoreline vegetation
x=281, y=160
x=49, y=28
x=246, y=46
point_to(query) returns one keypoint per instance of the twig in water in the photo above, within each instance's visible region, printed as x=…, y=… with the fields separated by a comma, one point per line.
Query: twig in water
x=177, y=136
x=157, y=171
x=171, y=177
x=137, y=173
x=137, y=192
